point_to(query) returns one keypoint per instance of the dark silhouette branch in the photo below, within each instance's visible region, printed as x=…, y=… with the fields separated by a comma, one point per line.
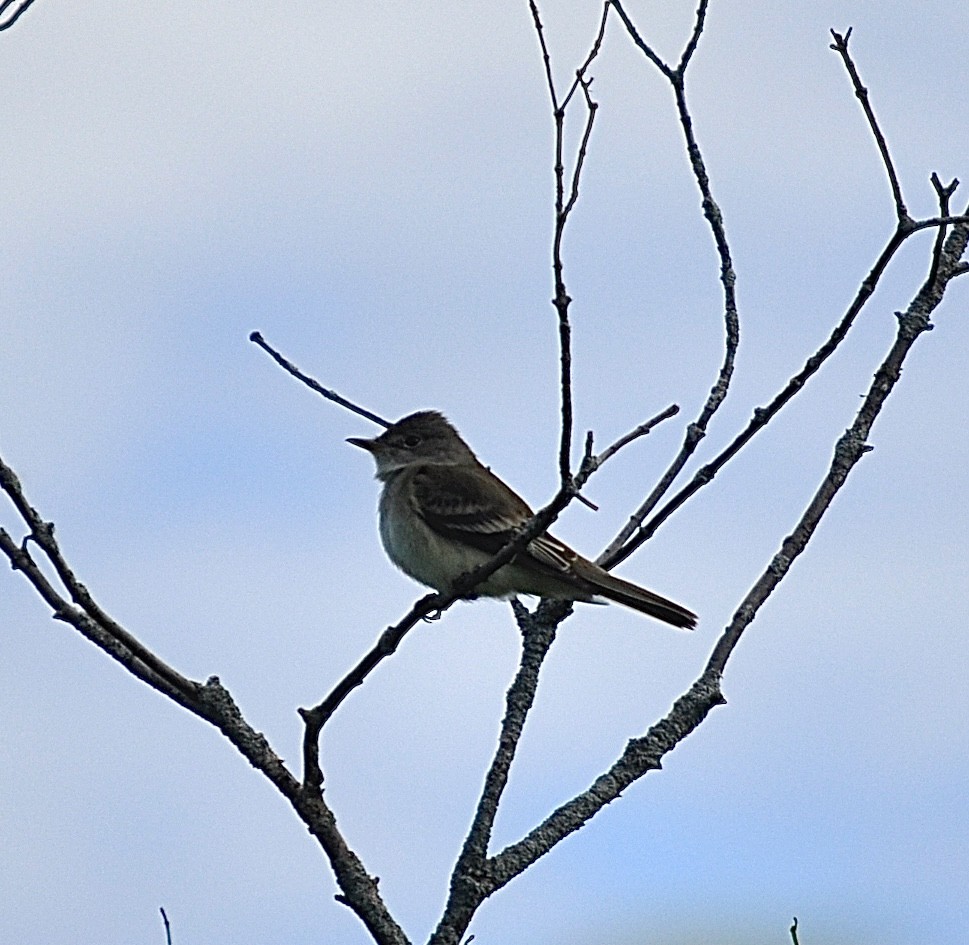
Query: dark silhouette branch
x=476, y=874
x=640, y=532
x=635, y=533
x=591, y=462
x=944, y=194
x=168, y=928
x=18, y=12
x=257, y=338
x=209, y=701
x=851, y=446
x=563, y=208
x=625, y=543
x=840, y=46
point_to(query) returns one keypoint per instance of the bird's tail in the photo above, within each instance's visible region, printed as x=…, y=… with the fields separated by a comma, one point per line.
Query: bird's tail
x=631, y=595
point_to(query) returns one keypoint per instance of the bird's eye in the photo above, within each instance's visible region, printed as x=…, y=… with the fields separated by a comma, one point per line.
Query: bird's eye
x=412, y=440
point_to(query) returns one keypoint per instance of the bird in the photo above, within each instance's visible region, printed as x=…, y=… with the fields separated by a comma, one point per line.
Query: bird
x=442, y=513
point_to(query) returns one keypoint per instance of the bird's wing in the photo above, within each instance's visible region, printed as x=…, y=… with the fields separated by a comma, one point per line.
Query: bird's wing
x=471, y=505
x=468, y=504
x=547, y=550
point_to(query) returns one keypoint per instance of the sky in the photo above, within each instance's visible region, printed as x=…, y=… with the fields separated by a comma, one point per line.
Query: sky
x=371, y=188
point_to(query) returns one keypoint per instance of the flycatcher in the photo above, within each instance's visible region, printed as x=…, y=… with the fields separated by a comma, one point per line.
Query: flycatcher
x=442, y=513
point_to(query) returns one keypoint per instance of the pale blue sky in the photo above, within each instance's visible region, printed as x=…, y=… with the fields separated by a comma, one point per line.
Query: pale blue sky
x=371, y=189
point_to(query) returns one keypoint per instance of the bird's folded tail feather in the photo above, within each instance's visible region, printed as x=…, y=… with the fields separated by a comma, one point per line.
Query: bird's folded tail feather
x=631, y=595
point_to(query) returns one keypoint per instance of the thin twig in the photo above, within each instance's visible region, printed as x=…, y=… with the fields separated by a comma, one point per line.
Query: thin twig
x=258, y=339
x=944, y=194
x=562, y=299
x=546, y=58
x=592, y=462
x=580, y=73
x=696, y=430
x=183, y=692
x=168, y=928
x=850, y=447
x=210, y=701
x=16, y=15
x=636, y=532
x=644, y=47
x=698, y=24
x=316, y=717
x=591, y=106
x=563, y=208
x=840, y=46
x=86, y=616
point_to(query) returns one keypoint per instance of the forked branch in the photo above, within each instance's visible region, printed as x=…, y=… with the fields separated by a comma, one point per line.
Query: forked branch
x=628, y=539
x=209, y=701
x=564, y=206
x=638, y=530
x=477, y=873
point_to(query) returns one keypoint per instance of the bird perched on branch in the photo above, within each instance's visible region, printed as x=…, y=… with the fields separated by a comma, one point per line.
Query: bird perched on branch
x=443, y=513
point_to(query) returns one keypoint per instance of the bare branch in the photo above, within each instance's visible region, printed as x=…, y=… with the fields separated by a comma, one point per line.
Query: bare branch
x=468, y=890
x=637, y=533
x=840, y=46
x=944, y=194
x=718, y=392
x=850, y=447
x=209, y=701
x=641, y=756
x=583, y=148
x=581, y=72
x=591, y=462
x=145, y=670
x=317, y=716
x=258, y=339
x=698, y=24
x=86, y=617
x=17, y=13
x=168, y=928
x=644, y=47
x=562, y=299
x=563, y=208
x=540, y=31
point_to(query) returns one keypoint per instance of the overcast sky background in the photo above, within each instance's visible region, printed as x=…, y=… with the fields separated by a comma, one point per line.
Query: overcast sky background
x=370, y=186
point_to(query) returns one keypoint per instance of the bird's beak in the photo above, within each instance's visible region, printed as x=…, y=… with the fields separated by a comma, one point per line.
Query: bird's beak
x=369, y=445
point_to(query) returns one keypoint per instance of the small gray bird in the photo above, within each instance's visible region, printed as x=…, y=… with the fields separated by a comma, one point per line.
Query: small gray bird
x=442, y=513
